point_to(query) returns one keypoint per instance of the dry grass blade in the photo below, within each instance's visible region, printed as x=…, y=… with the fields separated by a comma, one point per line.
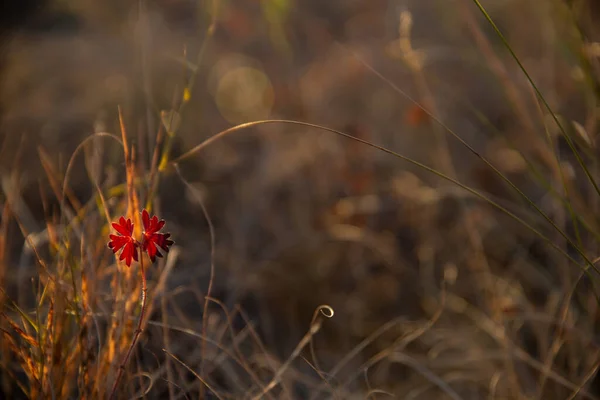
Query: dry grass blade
x=498, y=333
x=566, y=136
x=4, y=242
x=129, y=156
x=496, y=171
x=22, y=334
x=54, y=178
x=197, y=335
x=362, y=345
x=236, y=347
x=71, y=163
x=143, y=392
x=327, y=312
x=136, y=334
x=436, y=380
x=420, y=165
x=20, y=209
x=402, y=342
x=49, y=323
x=373, y=392
x=211, y=230
x=206, y=384
x=592, y=372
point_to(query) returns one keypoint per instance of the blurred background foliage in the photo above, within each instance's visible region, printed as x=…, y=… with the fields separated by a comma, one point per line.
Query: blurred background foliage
x=467, y=302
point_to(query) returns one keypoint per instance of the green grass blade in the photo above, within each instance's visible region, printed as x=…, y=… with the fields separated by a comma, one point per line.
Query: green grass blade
x=540, y=95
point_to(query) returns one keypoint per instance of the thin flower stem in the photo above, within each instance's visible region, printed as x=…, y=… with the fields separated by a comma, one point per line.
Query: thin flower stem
x=137, y=332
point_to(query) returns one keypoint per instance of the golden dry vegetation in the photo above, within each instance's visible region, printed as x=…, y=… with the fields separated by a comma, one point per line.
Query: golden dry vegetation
x=369, y=199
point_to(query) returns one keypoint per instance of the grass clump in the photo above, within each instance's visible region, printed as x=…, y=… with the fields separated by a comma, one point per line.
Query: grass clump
x=463, y=265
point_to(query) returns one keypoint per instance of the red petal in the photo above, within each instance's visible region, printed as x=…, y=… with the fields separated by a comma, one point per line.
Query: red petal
x=162, y=239
x=152, y=238
x=152, y=250
x=130, y=227
x=121, y=229
x=153, y=225
x=145, y=219
x=124, y=227
x=129, y=252
x=117, y=242
x=135, y=252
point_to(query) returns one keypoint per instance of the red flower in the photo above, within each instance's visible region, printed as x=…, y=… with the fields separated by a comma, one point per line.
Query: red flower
x=124, y=240
x=152, y=239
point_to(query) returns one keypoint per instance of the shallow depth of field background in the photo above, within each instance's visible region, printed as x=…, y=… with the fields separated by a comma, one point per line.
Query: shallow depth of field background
x=437, y=293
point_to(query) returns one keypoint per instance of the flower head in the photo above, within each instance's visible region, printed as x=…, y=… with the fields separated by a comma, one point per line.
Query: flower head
x=152, y=238
x=124, y=240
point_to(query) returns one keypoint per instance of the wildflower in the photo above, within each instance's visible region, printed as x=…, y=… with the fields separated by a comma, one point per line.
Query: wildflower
x=124, y=240
x=152, y=238
x=151, y=242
